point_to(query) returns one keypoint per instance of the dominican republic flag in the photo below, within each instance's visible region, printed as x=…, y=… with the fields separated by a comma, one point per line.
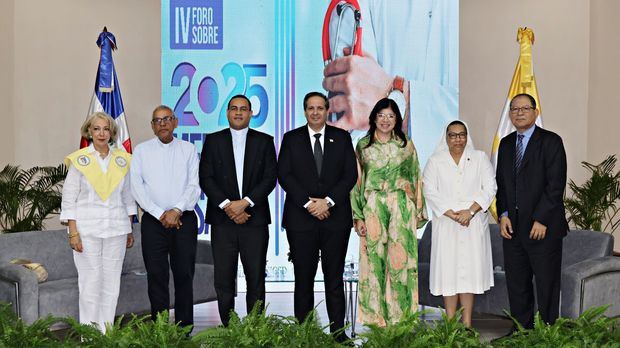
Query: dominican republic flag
x=107, y=94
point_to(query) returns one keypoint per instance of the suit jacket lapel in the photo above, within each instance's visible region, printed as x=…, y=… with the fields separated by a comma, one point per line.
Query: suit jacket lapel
x=307, y=151
x=531, y=146
x=248, y=159
x=229, y=157
x=328, y=148
x=510, y=155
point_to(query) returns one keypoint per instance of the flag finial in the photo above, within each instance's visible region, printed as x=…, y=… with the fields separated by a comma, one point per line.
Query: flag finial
x=525, y=33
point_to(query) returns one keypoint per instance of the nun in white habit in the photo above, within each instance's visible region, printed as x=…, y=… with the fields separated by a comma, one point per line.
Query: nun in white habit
x=459, y=186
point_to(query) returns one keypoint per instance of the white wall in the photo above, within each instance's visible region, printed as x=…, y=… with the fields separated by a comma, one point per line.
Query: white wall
x=6, y=83
x=49, y=60
x=55, y=63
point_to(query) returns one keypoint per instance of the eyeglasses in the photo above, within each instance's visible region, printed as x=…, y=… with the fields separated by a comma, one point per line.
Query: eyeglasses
x=386, y=116
x=160, y=121
x=461, y=135
x=235, y=108
x=523, y=109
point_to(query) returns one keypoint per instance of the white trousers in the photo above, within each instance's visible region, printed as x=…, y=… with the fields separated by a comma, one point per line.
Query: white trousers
x=99, y=268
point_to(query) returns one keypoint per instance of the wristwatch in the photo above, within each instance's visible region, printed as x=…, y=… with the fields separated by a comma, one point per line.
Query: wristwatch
x=397, y=93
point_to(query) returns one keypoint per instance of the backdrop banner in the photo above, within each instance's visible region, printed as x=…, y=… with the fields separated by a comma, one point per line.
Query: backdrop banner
x=276, y=51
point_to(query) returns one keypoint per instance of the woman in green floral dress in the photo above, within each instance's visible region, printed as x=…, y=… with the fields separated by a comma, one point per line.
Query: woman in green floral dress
x=388, y=208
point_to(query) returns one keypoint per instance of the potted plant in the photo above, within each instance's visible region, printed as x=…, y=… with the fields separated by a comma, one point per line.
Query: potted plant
x=29, y=196
x=595, y=205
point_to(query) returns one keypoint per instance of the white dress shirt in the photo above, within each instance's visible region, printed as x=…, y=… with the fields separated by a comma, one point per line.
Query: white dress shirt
x=93, y=216
x=165, y=176
x=311, y=132
x=238, y=142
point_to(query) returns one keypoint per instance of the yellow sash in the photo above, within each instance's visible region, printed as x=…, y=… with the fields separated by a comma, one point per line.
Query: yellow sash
x=104, y=183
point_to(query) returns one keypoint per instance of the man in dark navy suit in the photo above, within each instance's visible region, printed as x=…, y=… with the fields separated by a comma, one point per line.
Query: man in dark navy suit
x=317, y=169
x=237, y=173
x=531, y=177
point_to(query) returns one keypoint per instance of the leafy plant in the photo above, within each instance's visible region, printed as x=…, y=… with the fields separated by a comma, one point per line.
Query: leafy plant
x=598, y=200
x=591, y=329
x=15, y=333
x=138, y=332
x=260, y=330
x=415, y=332
x=28, y=196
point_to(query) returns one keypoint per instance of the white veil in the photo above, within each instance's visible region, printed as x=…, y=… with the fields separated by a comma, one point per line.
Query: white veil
x=442, y=147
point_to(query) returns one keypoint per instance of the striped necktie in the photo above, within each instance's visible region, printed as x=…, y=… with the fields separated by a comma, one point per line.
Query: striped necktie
x=519, y=154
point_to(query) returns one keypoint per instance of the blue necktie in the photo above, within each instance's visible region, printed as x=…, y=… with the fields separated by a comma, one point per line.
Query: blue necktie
x=519, y=154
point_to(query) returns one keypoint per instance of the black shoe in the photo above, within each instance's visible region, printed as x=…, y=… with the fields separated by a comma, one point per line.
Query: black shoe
x=343, y=339
x=511, y=332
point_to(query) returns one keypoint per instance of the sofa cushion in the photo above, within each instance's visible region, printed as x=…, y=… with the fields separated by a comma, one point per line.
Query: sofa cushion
x=133, y=297
x=133, y=257
x=50, y=248
x=424, y=244
x=203, y=291
x=425, y=296
x=59, y=298
x=494, y=300
x=497, y=246
x=581, y=245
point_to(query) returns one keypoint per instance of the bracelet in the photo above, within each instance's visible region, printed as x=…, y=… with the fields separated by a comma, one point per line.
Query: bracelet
x=71, y=235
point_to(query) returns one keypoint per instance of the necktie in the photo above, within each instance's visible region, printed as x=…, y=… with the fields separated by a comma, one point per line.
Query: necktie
x=519, y=154
x=318, y=153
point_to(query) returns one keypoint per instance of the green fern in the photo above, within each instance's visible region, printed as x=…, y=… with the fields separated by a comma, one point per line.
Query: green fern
x=29, y=196
x=414, y=332
x=591, y=329
x=15, y=333
x=258, y=329
x=595, y=205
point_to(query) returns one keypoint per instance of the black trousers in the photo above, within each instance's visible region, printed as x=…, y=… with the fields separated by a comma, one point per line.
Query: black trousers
x=166, y=249
x=525, y=259
x=229, y=241
x=305, y=247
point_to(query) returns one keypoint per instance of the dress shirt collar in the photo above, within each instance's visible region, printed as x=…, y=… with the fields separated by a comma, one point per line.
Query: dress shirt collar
x=91, y=149
x=528, y=133
x=239, y=134
x=312, y=132
x=166, y=145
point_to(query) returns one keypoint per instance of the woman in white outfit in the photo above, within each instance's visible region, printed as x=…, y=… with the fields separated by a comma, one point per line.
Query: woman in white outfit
x=459, y=186
x=98, y=207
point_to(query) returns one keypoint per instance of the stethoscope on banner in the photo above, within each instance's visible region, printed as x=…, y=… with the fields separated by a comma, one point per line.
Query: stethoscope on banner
x=341, y=7
x=331, y=52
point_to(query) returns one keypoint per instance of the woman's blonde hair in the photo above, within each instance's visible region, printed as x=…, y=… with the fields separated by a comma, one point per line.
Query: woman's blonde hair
x=103, y=116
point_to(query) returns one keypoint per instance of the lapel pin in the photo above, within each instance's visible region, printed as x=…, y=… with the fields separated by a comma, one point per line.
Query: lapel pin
x=331, y=140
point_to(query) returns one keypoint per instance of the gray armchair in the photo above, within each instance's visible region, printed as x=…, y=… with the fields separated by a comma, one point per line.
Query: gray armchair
x=58, y=296
x=590, y=274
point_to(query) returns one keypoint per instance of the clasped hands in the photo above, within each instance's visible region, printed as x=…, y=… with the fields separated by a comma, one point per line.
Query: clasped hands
x=463, y=217
x=318, y=208
x=538, y=231
x=235, y=211
x=171, y=218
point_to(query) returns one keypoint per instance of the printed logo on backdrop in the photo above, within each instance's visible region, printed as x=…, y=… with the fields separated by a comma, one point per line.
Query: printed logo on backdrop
x=196, y=24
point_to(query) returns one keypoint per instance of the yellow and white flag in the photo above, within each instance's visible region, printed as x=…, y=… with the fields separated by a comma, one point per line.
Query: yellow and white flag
x=523, y=81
